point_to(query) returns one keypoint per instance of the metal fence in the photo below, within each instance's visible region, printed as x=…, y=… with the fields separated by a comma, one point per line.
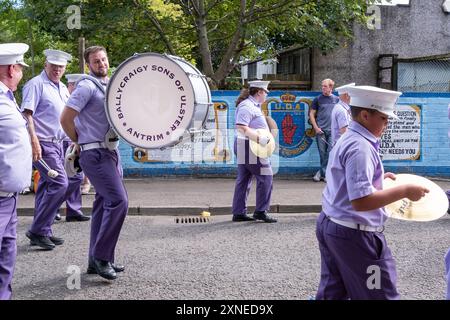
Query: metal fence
x=428, y=74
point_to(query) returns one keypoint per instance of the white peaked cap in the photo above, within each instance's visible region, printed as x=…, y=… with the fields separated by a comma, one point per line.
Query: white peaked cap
x=374, y=98
x=73, y=77
x=259, y=84
x=12, y=53
x=344, y=89
x=57, y=57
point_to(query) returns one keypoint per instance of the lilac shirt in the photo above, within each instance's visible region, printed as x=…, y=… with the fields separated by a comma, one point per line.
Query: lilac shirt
x=91, y=123
x=248, y=113
x=354, y=171
x=340, y=118
x=46, y=100
x=15, y=147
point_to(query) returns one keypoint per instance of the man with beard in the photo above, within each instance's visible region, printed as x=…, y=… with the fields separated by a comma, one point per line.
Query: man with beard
x=84, y=120
x=44, y=98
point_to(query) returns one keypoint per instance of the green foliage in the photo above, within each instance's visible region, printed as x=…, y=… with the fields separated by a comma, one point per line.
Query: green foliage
x=230, y=33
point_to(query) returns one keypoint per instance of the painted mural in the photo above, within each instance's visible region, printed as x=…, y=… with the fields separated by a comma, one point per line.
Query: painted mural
x=416, y=143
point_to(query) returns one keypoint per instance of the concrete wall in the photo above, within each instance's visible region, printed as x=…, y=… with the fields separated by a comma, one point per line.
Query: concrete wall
x=421, y=29
x=418, y=143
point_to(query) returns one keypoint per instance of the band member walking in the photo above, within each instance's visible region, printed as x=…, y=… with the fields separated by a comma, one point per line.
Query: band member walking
x=15, y=159
x=85, y=122
x=44, y=98
x=248, y=118
x=350, y=227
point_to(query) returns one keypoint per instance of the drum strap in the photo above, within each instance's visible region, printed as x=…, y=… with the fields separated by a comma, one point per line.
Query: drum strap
x=111, y=136
x=94, y=80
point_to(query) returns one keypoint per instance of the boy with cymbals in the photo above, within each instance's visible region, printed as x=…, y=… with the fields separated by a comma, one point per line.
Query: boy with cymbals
x=356, y=262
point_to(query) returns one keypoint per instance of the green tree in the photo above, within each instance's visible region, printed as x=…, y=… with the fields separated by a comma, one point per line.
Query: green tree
x=215, y=35
x=224, y=33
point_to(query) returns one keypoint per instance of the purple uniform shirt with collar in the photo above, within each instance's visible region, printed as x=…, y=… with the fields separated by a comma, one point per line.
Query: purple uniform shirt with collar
x=248, y=113
x=15, y=173
x=15, y=147
x=46, y=100
x=354, y=171
x=91, y=124
x=340, y=118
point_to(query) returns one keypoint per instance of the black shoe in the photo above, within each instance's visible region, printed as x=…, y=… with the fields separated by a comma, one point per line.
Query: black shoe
x=41, y=241
x=56, y=240
x=116, y=267
x=80, y=217
x=58, y=217
x=104, y=269
x=264, y=217
x=241, y=217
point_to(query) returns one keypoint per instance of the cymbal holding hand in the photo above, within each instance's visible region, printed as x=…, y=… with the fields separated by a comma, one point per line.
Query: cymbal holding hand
x=415, y=192
x=263, y=140
x=424, y=201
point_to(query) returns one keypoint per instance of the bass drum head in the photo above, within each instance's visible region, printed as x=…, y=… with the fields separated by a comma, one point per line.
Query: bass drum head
x=150, y=101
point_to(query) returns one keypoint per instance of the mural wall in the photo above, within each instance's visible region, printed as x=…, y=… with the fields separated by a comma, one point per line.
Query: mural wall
x=416, y=143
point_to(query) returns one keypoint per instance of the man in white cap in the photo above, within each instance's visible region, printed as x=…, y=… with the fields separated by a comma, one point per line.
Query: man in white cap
x=44, y=98
x=349, y=228
x=15, y=158
x=250, y=117
x=341, y=114
x=320, y=118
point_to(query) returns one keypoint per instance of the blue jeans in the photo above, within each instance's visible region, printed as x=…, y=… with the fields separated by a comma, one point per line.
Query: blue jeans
x=324, y=144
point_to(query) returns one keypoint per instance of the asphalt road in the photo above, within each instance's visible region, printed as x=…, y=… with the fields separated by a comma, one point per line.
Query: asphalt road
x=217, y=260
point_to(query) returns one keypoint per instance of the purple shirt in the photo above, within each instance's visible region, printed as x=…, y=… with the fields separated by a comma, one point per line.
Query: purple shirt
x=354, y=171
x=248, y=113
x=340, y=118
x=91, y=123
x=15, y=146
x=46, y=100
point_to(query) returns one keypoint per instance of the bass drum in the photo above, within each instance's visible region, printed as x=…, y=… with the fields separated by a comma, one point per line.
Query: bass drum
x=154, y=100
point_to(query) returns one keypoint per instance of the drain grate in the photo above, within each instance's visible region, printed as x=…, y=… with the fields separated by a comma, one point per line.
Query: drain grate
x=192, y=220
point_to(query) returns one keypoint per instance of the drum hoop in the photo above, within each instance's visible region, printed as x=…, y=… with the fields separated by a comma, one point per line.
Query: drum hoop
x=203, y=78
x=172, y=58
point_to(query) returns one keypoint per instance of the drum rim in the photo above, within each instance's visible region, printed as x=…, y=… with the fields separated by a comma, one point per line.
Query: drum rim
x=195, y=94
x=135, y=56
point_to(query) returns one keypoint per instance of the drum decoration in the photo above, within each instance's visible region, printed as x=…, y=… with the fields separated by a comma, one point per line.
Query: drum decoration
x=154, y=100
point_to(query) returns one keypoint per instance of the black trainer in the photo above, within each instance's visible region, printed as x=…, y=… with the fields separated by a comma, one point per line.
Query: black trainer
x=116, y=267
x=56, y=240
x=79, y=218
x=264, y=217
x=241, y=217
x=41, y=241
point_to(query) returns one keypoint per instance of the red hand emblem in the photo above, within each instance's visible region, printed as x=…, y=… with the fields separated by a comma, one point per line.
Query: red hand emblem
x=289, y=128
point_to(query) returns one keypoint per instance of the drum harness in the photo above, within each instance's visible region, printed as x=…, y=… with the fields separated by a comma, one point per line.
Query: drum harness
x=111, y=137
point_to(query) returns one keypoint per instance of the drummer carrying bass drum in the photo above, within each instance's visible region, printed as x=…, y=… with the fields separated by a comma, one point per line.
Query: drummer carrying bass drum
x=84, y=120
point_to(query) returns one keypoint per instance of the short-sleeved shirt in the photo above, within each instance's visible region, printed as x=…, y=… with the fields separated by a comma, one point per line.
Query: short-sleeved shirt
x=46, y=100
x=324, y=106
x=249, y=113
x=340, y=118
x=15, y=146
x=91, y=123
x=354, y=171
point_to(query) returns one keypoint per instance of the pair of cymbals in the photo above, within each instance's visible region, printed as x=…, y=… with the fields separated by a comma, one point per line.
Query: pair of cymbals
x=430, y=207
x=266, y=150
